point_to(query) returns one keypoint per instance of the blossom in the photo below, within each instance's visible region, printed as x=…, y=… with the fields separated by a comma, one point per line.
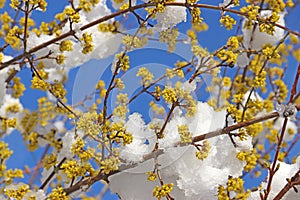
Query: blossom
x=258, y=39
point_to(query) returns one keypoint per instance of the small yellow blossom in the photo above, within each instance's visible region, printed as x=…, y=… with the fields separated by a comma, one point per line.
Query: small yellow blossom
x=250, y=157
x=204, y=151
x=88, y=45
x=58, y=193
x=58, y=90
x=162, y=191
x=123, y=61
x=109, y=164
x=185, y=135
x=227, y=21
x=60, y=59
x=233, y=43
x=226, y=81
x=151, y=176
x=37, y=83
x=72, y=14
x=147, y=76
x=169, y=95
x=18, y=87
x=66, y=45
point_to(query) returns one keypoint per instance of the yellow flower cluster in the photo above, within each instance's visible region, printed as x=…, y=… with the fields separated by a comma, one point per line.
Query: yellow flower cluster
x=44, y=28
x=52, y=140
x=282, y=90
x=199, y=51
x=277, y=5
x=273, y=136
x=192, y=1
x=162, y=191
x=119, y=83
x=32, y=139
x=151, y=176
x=160, y=7
x=72, y=169
x=121, y=111
x=2, y=3
x=58, y=90
x=5, y=152
x=233, y=43
x=29, y=121
x=60, y=59
x=102, y=91
x=58, y=193
x=205, y=150
x=49, y=161
x=227, y=21
x=105, y=27
x=250, y=157
x=18, y=87
x=269, y=27
x=8, y=123
x=222, y=193
x=169, y=36
x=13, y=108
x=254, y=129
x=260, y=79
x=66, y=45
x=88, y=123
x=14, y=4
x=37, y=83
x=270, y=51
x=169, y=95
x=133, y=41
x=226, y=81
x=78, y=149
x=124, y=6
x=46, y=111
x=17, y=193
x=42, y=4
x=196, y=19
x=5, y=20
x=72, y=14
x=185, y=135
x=87, y=5
x=12, y=37
x=235, y=184
x=251, y=11
x=110, y=164
x=87, y=43
x=11, y=174
x=234, y=112
x=119, y=132
x=123, y=61
x=147, y=76
x=30, y=22
x=228, y=56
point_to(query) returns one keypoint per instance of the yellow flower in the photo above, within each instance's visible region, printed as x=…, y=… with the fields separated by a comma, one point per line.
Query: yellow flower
x=162, y=191
x=227, y=21
x=37, y=83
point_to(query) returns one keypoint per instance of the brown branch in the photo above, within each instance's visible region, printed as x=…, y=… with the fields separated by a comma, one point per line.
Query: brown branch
x=274, y=167
x=228, y=129
x=295, y=180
